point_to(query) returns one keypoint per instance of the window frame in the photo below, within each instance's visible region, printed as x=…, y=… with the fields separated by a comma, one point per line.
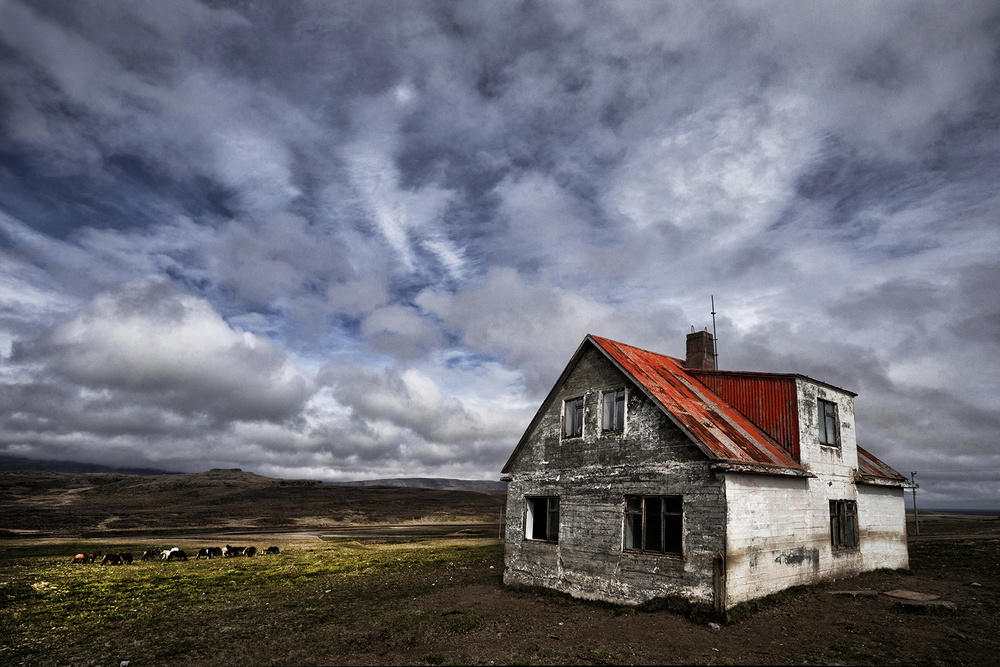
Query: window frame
x=664, y=523
x=576, y=420
x=828, y=422
x=617, y=412
x=845, y=532
x=550, y=513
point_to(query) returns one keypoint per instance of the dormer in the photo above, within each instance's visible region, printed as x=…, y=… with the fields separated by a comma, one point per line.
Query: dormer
x=827, y=438
x=787, y=407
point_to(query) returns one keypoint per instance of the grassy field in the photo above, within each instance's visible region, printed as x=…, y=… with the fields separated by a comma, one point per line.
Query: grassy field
x=57, y=612
x=440, y=601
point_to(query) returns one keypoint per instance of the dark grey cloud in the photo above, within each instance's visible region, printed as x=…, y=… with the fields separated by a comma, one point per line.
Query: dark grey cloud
x=151, y=344
x=363, y=239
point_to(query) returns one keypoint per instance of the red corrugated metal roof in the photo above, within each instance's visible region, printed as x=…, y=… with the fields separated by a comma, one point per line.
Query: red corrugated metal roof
x=769, y=400
x=869, y=466
x=721, y=430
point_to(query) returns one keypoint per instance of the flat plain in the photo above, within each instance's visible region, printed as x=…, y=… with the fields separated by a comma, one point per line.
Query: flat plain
x=412, y=576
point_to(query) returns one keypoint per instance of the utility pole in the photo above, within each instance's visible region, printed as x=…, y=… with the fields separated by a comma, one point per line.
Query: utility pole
x=916, y=520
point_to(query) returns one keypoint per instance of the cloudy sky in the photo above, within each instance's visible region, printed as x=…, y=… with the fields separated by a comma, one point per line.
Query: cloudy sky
x=362, y=239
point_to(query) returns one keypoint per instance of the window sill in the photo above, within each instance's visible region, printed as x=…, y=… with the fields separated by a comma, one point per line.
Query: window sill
x=843, y=551
x=655, y=554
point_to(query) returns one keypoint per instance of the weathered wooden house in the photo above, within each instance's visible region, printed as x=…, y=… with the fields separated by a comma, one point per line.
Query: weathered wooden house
x=645, y=476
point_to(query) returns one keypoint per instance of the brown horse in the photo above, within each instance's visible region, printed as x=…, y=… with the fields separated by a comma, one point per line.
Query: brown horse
x=112, y=559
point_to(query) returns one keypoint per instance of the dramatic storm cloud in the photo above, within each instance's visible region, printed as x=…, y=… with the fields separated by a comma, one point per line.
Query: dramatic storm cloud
x=354, y=240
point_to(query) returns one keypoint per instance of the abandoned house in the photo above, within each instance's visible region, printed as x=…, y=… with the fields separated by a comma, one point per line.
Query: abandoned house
x=645, y=476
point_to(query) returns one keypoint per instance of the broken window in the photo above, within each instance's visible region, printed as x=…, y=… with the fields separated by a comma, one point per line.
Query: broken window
x=614, y=411
x=573, y=419
x=654, y=524
x=844, y=524
x=541, y=518
x=828, y=424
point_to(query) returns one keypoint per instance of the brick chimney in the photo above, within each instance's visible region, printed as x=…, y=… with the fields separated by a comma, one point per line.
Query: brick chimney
x=700, y=351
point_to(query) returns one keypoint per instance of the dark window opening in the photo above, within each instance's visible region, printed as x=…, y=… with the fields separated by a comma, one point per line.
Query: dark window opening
x=844, y=524
x=654, y=524
x=541, y=520
x=614, y=411
x=573, y=419
x=828, y=424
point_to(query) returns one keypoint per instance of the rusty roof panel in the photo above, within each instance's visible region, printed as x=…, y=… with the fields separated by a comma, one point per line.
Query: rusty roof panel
x=769, y=401
x=869, y=466
x=724, y=432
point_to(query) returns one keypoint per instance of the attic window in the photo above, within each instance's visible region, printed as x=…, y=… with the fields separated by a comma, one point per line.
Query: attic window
x=654, y=524
x=541, y=518
x=828, y=424
x=613, y=418
x=573, y=418
x=844, y=524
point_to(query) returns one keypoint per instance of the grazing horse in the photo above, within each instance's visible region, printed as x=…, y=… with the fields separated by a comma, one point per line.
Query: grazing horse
x=229, y=551
x=126, y=557
x=272, y=550
x=112, y=559
x=250, y=551
x=215, y=551
x=177, y=554
x=87, y=558
x=149, y=554
x=204, y=553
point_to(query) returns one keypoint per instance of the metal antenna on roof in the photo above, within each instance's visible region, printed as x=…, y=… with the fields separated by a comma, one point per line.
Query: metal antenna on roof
x=715, y=338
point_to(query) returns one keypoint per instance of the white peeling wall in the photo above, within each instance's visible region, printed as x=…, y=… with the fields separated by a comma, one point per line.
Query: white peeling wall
x=882, y=517
x=776, y=536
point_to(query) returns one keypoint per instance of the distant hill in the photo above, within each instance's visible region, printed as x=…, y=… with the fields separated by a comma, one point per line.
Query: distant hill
x=441, y=483
x=8, y=462
x=47, y=503
x=12, y=463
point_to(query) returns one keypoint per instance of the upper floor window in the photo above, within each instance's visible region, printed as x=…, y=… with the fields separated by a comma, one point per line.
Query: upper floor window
x=613, y=418
x=828, y=424
x=654, y=524
x=541, y=518
x=573, y=418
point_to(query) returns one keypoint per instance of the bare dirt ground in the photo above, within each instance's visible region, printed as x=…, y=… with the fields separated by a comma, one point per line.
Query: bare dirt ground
x=812, y=626
x=460, y=613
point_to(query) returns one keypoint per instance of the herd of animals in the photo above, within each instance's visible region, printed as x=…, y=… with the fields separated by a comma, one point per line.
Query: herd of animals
x=172, y=554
